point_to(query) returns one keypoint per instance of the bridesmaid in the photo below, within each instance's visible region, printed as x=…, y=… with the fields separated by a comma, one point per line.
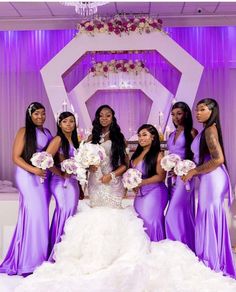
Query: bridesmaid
x=28, y=248
x=66, y=196
x=180, y=216
x=152, y=194
x=212, y=244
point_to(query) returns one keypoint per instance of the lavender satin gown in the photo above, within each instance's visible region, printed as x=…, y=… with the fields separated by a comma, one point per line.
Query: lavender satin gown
x=67, y=199
x=150, y=203
x=28, y=248
x=180, y=216
x=212, y=243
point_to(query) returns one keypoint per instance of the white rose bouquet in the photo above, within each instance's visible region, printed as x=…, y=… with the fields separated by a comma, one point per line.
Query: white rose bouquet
x=70, y=166
x=182, y=168
x=42, y=160
x=131, y=178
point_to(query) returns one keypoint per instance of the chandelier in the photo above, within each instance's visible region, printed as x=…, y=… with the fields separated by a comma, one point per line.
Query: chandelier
x=85, y=8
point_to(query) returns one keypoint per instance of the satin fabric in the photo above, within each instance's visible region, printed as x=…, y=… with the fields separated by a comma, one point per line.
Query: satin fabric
x=180, y=216
x=150, y=203
x=66, y=195
x=28, y=248
x=213, y=245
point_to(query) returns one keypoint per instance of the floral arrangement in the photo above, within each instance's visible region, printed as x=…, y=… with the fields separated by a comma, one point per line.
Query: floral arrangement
x=131, y=178
x=169, y=162
x=42, y=160
x=182, y=167
x=70, y=166
x=116, y=66
x=120, y=24
x=89, y=154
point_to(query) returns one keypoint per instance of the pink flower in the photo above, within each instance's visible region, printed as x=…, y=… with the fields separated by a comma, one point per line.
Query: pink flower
x=105, y=69
x=160, y=21
x=132, y=66
x=90, y=28
x=133, y=27
x=92, y=69
x=110, y=28
x=100, y=26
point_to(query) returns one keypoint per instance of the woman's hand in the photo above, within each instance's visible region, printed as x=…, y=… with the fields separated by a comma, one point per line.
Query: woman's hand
x=40, y=172
x=135, y=190
x=105, y=179
x=93, y=168
x=65, y=175
x=189, y=175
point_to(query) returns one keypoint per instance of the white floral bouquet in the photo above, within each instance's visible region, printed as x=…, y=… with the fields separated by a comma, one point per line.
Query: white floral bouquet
x=42, y=160
x=71, y=166
x=131, y=178
x=89, y=154
x=182, y=168
x=169, y=161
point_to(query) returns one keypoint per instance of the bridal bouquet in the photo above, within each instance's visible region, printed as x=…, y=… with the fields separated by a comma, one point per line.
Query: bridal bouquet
x=131, y=178
x=70, y=166
x=182, y=168
x=89, y=154
x=169, y=162
x=42, y=160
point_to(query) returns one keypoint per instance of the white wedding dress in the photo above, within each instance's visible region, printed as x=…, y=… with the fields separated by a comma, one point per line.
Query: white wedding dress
x=106, y=249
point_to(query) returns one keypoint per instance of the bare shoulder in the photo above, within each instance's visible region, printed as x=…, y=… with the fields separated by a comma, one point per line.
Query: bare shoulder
x=194, y=132
x=211, y=131
x=57, y=139
x=89, y=138
x=160, y=155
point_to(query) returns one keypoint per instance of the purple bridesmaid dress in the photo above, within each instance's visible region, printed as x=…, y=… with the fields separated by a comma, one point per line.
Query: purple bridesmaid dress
x=67, y=199
x=180, y=217
x=150, y=203
x=212, y=240
x=28, y=248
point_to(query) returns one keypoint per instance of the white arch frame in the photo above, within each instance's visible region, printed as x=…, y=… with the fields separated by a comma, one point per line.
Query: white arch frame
x=191, y=70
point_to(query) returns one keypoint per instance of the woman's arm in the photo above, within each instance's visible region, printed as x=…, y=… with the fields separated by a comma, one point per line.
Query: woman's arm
x=18, y=148
x=161, y=174
x=52, y=149
x=215, y=150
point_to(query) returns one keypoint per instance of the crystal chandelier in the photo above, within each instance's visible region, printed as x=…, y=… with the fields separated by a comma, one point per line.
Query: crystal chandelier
x=85, y=8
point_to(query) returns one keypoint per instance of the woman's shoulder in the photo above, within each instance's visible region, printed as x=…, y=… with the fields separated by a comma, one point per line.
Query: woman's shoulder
x=21, y=132
x=56, y=140
x=194, y=132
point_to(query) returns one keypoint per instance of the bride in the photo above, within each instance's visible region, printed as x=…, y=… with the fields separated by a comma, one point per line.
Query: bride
x=105, y=248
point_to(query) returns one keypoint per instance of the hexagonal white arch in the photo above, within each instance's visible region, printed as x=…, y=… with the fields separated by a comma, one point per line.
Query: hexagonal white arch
x=82, y=92
x=190, y=68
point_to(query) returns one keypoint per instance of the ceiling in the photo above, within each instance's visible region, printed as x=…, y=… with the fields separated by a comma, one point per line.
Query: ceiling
x=53, y=15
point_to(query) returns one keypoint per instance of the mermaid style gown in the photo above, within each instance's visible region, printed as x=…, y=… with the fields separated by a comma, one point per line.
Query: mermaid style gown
x=67, y=198
x=180, y=216
x=105, y=248
x=212, y=240
x=150, y=203
x=28, y=248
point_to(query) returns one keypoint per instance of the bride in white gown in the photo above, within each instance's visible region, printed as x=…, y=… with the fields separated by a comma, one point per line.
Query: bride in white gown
x=105, y=248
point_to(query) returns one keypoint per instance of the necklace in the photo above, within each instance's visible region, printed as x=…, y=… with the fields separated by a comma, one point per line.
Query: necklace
x=102, y=137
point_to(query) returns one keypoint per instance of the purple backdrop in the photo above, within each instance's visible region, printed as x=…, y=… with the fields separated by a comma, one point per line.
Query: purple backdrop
x=24, y=53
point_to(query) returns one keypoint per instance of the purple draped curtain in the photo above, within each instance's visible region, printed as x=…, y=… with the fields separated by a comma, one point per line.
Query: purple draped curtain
x=24, y=53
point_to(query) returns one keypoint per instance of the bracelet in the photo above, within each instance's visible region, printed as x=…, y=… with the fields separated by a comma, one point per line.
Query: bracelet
x=113, y=176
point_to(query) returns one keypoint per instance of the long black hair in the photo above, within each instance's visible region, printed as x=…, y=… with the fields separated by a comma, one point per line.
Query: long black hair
x=188, y=126
x=65, y=146
x=150, y=159
x=30, y=146
x=213, y=119
x=117, y=138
